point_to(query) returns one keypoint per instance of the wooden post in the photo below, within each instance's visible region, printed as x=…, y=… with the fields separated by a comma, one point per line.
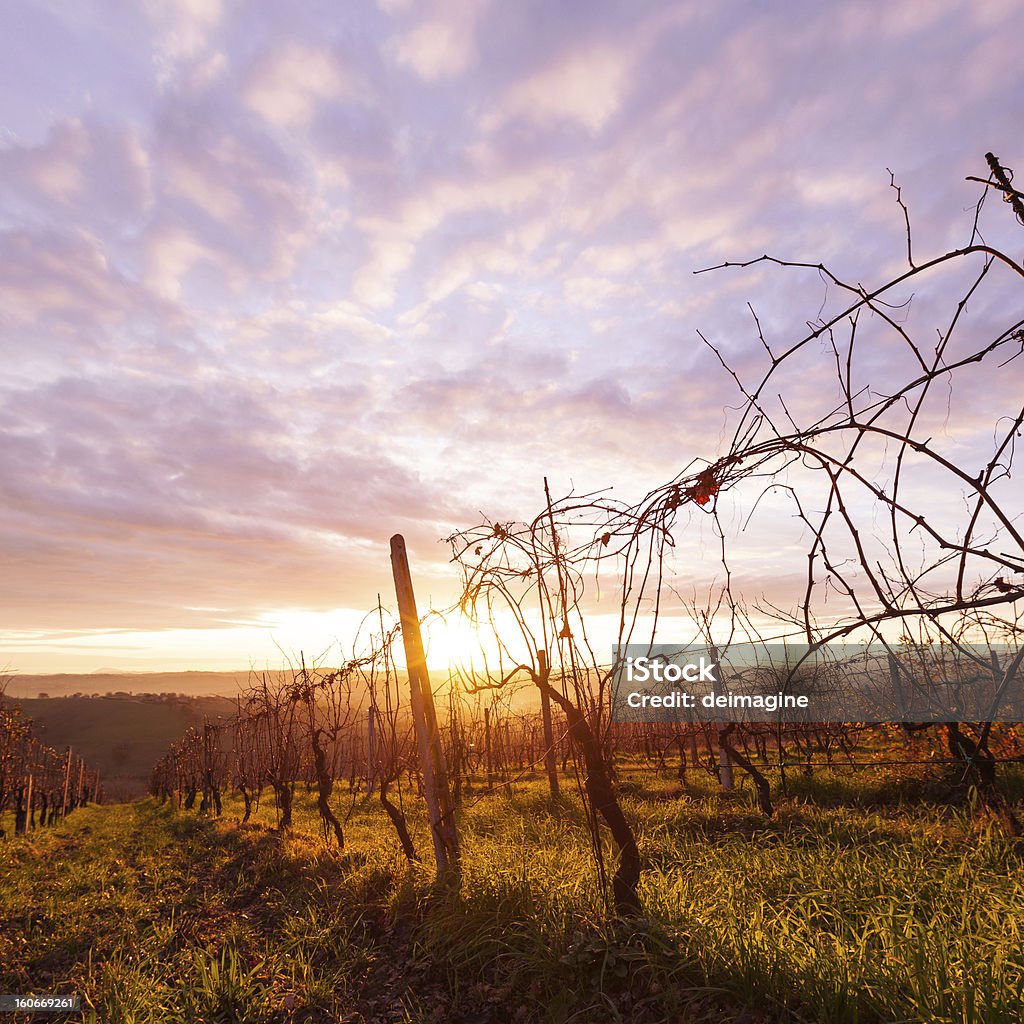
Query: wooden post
x=898, y=696
x=20, y=810
x=440, y=809
x=550, y=764
x=725, y=776
x=81, y=780
x=67, y=780
x=724, y=763
x=457, y=763
x=31, y=820
x=487, y=748
x=371, y=751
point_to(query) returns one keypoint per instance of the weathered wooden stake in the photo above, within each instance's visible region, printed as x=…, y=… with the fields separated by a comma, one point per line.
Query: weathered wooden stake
x=371, y=751
x=897, y=688
x=725, y=776
x=67, y=779
x=488, y=752
x=549, y=736
x=724, y=763
x=440, y=809
x=20, y=814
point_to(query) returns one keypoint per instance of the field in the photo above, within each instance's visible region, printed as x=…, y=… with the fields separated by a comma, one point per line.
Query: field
x=863, y=900
x=121, y=736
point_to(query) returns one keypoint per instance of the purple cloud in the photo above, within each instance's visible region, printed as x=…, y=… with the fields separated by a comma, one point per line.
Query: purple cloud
x=276, y=283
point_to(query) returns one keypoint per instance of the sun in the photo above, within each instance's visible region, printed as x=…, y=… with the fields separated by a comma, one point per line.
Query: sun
x=453, y=641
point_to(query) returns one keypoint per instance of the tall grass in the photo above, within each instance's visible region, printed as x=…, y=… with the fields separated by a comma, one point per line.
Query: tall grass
x=891, y=912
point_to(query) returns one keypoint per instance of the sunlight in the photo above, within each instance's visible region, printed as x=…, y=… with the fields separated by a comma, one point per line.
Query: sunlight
x=453, y=641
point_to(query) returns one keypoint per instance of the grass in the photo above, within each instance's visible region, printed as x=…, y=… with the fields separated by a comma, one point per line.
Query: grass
x=887, y=910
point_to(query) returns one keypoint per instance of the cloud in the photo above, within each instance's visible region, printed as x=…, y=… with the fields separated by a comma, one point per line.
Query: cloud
x=274, y=284
x=60, y=296
x=231, y=195
x=286, y=85
x=392, y=240
x=185, y=30
x=209, y=491
x=172, y=253
x=586, y=88
x=102, y=175
x=443, y=44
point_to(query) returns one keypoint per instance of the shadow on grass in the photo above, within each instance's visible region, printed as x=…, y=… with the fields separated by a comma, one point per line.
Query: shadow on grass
x=404, y=949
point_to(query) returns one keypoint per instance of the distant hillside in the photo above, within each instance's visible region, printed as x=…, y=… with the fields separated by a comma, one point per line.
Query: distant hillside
x=122, y=736
x=191, y=684
x=66, y=684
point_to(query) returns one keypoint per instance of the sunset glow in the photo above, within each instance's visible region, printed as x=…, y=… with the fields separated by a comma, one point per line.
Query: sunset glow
x=277, y=282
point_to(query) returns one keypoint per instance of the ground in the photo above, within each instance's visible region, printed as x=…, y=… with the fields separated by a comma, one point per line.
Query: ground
x=871, y=903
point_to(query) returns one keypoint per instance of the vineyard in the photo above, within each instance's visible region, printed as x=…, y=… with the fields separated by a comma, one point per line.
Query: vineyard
x=38, y=785
x=374, y=840
x=918, y=545
x=873, y=893
x=348, y=737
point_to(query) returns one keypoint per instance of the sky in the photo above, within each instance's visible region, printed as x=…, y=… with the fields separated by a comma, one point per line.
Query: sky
x=280, y=280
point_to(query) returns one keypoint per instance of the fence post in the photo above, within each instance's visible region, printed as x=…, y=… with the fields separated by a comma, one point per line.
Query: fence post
x=440, y=809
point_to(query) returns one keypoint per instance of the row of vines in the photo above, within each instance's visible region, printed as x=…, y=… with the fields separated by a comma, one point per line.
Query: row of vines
x=890, y=483
x=38, y=785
